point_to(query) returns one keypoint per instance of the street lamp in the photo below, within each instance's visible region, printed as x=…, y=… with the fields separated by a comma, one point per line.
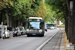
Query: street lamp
x=71, y=4
x=71, y=7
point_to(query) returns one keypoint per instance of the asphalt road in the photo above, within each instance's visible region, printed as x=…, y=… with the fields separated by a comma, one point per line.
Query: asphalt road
x=24, y=42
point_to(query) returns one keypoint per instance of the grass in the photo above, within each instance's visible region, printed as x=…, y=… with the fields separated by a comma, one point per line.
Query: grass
x=66, y=41
x=61, y=25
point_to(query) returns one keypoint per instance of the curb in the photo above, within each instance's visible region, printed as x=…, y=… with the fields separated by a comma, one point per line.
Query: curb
x=41, y=46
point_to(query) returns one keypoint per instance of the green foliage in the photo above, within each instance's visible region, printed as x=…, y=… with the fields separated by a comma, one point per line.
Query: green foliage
x=61, y=25
x=57, y=4
x=49, y=14
x=59, y=7
x=19, y=10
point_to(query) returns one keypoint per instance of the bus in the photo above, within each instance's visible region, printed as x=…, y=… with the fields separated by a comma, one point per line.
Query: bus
x=34, y=26
x=51, y=26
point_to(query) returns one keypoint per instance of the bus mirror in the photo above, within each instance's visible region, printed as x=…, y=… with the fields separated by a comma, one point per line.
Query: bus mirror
x=41, y=20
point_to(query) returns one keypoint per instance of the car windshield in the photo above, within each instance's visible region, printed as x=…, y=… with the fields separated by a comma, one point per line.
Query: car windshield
x=48, y=25
x=34, y=25
x=51, y=25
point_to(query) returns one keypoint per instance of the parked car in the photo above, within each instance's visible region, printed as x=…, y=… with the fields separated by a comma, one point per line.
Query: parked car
x=22, y=29
x=4, y=33
x=17, y=32
x=11, y=31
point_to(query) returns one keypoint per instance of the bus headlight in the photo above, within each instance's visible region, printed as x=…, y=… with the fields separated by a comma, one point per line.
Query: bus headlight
x=27, y=30
x=40, y=30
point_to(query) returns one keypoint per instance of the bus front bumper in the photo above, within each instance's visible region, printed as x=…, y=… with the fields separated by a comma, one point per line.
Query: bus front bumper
x=34, y=33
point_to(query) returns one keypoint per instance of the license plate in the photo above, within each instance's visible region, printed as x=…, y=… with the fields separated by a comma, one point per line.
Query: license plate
x=33, y=34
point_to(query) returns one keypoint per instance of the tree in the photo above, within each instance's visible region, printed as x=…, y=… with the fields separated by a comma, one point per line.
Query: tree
x=17, y=11
x=62, y=8
x=49, y=14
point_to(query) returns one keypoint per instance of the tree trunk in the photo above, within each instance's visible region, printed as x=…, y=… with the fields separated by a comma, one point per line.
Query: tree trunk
x=67, y=18
x=7, y=19
x=68, y=6
x=10, y=21
x=66, y=25
x=66, y=21
x=70, y=29
x=16, y=23
x=73, y=35
x=19, y=23
x=0, y=18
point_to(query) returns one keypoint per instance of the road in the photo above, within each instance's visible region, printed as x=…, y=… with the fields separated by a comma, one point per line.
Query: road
x=24, y=42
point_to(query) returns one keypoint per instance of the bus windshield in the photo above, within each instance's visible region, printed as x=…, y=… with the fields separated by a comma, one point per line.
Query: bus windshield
x=34, y=25
x=51, y=25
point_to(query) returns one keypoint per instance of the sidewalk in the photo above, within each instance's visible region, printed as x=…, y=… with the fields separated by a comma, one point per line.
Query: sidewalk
x=62, y=42
x=56, y=43
x=68, y=46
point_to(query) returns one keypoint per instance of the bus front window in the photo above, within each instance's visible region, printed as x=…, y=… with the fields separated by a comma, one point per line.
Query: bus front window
x=34, y=25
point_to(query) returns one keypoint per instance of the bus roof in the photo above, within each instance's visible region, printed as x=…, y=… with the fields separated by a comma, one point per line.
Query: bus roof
x=34, y=18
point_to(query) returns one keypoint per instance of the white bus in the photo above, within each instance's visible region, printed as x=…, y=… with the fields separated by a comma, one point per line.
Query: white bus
x=34, y=26
x=51, y=25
